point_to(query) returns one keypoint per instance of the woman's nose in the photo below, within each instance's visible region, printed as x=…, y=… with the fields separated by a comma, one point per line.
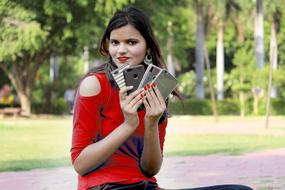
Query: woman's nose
x=122, y=49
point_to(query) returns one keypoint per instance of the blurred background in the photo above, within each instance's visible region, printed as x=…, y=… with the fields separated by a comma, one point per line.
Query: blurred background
x=227, y=54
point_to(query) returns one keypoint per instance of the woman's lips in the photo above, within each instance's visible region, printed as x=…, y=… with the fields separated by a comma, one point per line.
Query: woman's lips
x=122, y=59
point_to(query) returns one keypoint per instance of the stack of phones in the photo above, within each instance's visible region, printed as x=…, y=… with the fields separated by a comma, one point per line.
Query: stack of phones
x=136, y=76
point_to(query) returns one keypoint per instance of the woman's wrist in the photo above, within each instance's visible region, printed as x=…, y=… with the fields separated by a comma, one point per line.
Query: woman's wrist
x=129, y=126
x=150, y=122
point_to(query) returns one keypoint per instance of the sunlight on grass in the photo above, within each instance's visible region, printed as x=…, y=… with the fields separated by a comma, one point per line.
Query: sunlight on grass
x=39, y=143
x=35, y=144
x=195, y=144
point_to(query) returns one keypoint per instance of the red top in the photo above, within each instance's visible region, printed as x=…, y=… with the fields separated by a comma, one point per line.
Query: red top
x=94, y=118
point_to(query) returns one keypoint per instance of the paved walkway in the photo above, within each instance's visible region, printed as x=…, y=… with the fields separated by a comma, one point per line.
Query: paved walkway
x=262, y=171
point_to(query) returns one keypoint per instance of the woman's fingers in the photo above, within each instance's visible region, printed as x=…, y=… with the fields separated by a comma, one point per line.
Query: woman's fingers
x=154, y=102
x=135, y=97
x=152, y=97
x=123, y=92
x=158, y=94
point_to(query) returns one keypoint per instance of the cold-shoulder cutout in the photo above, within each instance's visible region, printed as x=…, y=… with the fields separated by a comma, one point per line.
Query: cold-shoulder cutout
x=90, y=86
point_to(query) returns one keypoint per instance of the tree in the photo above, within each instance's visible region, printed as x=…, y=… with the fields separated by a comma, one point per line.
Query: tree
x=33, y=30
x=221, y=13
x=199, y=51
x=274, y=15
x=259, y=34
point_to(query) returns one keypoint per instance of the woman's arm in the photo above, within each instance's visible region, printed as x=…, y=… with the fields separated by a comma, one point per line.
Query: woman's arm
x=151, y=159
x=95, y=154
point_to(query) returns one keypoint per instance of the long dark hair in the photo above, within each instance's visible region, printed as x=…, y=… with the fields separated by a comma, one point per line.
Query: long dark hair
x=139, y=20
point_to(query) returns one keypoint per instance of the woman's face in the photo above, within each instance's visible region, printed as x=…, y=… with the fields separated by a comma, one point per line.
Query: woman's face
x=127, y=46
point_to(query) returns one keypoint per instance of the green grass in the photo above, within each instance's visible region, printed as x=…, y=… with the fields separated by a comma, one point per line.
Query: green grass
x=43, y=143
x=34, y=144
x=194, y=144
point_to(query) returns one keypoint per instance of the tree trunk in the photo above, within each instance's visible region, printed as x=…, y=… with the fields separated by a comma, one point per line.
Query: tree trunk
x=25, y=103
x=255, y=103
x=273, y=55
x=259, y=50
x=220, y=61
x=242, y=103
x=259, y=35
x=212, y=91
x=22, y=74
x=240, y=38
x=199, y=52
x=169, y=46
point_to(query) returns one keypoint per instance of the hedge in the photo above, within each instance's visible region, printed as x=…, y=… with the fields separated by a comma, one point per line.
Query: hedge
x=224, y=107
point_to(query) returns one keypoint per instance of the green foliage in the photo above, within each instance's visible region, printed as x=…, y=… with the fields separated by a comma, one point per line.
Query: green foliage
x=31, y=30
x=19, y=33
x=47, y=97
x=225, y=107
x=241, y=79
x=182, y=31
x=186, y=83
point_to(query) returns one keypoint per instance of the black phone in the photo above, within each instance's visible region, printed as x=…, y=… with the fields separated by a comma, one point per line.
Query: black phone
x=133, y=76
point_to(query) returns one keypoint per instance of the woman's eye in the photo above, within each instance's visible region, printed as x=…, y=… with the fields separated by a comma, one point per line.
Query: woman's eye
x=132, y=42
x=114, y=42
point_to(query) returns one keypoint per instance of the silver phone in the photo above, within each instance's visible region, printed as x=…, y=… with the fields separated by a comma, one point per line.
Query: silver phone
x=165, y=83
x=151, y=72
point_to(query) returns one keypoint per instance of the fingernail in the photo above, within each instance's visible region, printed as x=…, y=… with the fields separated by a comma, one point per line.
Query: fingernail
x=145, y=88
x=153, y=84
x=148, y=86
x=141, y=96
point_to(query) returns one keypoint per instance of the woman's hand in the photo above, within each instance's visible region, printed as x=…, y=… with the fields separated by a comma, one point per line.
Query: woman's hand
x=154, y=104
x=129, y=105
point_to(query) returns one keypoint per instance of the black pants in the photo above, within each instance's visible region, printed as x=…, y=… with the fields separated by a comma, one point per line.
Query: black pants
x=147, y=185
x=222, y=187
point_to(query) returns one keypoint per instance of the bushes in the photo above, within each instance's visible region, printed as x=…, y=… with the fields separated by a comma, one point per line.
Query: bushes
x=225, y=107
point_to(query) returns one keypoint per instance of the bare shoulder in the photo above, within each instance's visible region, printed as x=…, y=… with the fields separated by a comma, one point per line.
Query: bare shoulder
x=90, y=86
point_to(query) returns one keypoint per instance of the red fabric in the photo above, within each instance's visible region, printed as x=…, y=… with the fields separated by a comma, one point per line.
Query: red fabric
x=89, y=126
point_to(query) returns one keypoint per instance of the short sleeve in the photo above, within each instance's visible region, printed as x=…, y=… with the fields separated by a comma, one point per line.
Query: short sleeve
x=86, y=121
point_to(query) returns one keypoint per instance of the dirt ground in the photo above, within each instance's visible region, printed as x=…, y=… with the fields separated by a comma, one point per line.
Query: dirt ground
x=261, y=170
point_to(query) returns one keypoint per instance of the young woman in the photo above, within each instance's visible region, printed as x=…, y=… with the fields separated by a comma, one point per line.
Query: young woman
x=116, y=145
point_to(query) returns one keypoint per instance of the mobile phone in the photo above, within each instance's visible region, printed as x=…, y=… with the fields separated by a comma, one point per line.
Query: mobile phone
x=133, y=76
x=151, y=72
x=165, y=83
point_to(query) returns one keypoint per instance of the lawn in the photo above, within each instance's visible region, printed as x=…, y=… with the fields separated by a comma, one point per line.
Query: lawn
x=40, y=143
x=28, y=144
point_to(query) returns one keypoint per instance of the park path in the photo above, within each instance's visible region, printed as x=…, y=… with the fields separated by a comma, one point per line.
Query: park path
x=261, y=170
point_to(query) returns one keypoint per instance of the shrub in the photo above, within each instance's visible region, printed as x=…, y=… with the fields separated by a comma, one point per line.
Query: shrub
x=225, y=107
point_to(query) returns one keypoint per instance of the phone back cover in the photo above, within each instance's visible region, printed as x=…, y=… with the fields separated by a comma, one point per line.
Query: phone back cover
x=151, y=72
x=133, y=76
x=165, y=82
